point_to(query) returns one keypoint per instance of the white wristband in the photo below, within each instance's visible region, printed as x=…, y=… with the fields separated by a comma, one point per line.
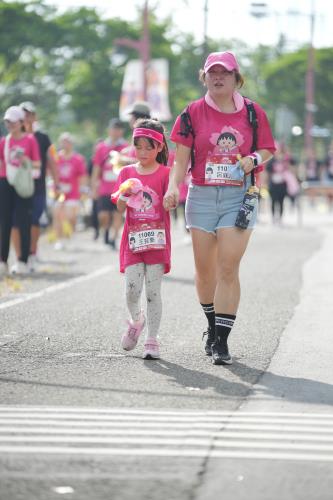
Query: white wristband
x=258, y=156
x=123, y=198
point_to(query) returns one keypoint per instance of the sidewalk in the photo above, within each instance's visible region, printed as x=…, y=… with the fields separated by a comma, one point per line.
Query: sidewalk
x=300, y=375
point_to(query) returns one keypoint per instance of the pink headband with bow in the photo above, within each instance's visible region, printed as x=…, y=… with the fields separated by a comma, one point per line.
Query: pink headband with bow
x=148, y=133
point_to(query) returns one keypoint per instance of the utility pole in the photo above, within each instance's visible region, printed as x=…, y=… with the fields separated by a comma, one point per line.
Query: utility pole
x=142, y=46
x=310, y=106
x=205, y=43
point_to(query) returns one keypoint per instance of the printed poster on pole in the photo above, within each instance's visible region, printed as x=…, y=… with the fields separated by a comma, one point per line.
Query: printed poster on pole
x=157, y=88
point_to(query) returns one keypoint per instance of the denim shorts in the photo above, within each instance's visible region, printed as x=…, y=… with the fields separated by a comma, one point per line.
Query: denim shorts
x=213, y=207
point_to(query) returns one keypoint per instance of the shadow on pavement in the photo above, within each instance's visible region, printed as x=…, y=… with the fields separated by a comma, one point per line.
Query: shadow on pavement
x=299, y=390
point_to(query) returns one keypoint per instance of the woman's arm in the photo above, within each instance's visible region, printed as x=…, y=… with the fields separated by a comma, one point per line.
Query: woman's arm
x=177, y=175
x=247, y=162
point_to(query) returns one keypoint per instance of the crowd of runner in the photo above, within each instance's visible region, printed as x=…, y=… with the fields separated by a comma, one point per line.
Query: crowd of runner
x=222, y=142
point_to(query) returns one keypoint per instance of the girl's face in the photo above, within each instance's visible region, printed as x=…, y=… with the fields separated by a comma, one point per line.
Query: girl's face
x=219, y=81
x=145, y=153
x=13, y=127
x=146, y=202
x=226, y=143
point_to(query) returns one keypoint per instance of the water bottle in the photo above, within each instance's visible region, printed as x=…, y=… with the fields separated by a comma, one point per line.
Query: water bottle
x=249, y=203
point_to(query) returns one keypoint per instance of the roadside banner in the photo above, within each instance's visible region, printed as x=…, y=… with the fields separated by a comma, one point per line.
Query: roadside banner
x=157, y=88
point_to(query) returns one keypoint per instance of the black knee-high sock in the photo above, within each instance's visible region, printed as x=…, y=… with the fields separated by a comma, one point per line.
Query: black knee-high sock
x=223, y=326
x=208, y=309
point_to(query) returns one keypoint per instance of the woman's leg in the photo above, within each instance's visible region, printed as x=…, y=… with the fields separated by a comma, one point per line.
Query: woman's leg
x=231, y=244
x=6, y=216
x=23, y=208
x=205, y=254
x=134, y=276
x=154, y=275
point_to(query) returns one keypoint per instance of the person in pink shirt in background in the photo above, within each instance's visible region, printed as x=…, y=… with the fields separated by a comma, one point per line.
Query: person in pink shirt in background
x=140, y=109
x=15, y=149
x=217, y=132
x=145, y=249
x=104, y=176
x=72, y=173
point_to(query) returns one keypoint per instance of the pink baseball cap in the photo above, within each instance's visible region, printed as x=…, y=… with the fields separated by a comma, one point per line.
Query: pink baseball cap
x=225, y=59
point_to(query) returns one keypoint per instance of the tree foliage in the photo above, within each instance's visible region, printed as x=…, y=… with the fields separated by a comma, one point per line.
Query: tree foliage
x=66, y=64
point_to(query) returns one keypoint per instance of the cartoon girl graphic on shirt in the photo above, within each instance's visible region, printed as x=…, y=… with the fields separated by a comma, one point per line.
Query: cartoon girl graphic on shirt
x=147, y=204
x=228, y=140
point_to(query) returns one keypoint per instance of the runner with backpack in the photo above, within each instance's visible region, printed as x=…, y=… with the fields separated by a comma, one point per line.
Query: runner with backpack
x=227, y=137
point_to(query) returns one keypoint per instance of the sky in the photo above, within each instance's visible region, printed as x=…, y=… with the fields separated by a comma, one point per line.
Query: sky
x=230, y=19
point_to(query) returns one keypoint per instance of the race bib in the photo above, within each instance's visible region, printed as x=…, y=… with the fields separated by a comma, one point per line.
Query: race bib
x=109, y=176
x=223, y=169
x=145, y=237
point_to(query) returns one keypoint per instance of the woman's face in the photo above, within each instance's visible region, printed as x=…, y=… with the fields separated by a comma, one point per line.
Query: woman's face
x=219, y=81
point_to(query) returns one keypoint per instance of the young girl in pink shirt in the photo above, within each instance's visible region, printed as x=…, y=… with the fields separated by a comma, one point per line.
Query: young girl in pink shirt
x=145, y=245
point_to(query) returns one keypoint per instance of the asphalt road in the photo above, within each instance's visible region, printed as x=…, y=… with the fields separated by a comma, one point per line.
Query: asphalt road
x=81, y=419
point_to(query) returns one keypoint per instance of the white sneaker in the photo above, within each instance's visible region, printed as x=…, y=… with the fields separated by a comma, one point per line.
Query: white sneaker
x=151, y=349
x=3, y=269
x=19, y=268
x=32, y=263
x=58, y=245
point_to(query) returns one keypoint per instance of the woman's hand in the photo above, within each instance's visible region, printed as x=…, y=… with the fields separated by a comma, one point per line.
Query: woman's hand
x=247, y=164
x=171, y=198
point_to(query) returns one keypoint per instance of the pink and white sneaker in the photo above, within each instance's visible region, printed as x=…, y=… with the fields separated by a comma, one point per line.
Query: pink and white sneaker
x=151, y=349
x=134, y=330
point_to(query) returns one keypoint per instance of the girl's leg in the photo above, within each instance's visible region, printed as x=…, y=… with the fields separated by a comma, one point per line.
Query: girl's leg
x=154, y=275
x=134, y=276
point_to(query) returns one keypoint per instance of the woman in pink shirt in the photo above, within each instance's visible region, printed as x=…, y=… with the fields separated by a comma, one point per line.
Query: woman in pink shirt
x=72, y=174
x=217, y=129
x=15, y=149
x=145, y=245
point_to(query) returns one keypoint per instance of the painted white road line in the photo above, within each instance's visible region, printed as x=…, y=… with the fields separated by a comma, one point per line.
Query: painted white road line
x=137, y=411
x=158, y=452
x=184, y=426
x=257, y=434
x=235, y=419
x=57, y=287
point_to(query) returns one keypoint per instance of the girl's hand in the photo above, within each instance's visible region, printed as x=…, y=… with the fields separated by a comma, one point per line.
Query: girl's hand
x=171, y=198
x=246, y=163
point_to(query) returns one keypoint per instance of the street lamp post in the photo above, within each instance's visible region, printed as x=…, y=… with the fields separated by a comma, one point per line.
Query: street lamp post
x=142, y=46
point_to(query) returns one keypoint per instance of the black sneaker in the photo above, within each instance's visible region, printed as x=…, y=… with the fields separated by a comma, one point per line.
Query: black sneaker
x=220, y=353
x=209, y=341
x=112, y=244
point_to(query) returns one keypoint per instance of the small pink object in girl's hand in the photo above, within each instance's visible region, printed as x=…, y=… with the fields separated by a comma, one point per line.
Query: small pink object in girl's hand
x=128, y=187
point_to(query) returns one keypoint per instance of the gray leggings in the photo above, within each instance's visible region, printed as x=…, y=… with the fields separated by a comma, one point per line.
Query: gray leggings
x=152, y=275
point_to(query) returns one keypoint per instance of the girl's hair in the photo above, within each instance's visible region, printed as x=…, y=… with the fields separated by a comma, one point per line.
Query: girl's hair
x=239, y=78
x=153, y=124
x=147, y=196
x=226, y=135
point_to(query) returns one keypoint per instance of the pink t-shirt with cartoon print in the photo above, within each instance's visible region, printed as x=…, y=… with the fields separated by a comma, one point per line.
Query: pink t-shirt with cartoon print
x=26, y=146
x=70, y=170
x=102, y=158
x=151, y=214
x=221, y=133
